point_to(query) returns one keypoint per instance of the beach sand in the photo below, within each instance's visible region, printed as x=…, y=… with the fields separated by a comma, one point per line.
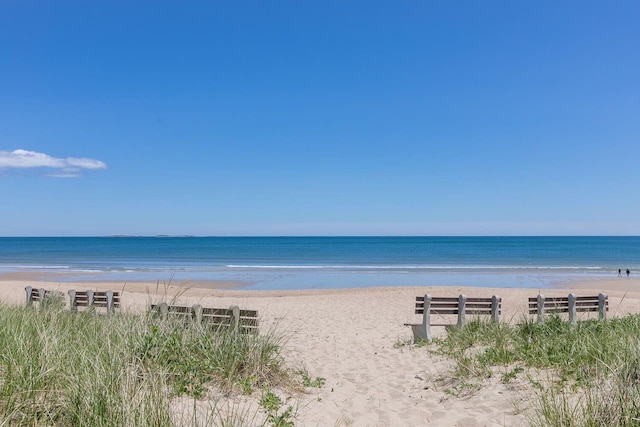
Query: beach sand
x=356, y=341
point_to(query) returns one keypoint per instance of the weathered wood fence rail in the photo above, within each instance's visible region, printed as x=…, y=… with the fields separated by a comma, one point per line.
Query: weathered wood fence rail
x=41, y=295
x=89, y=298
x=232, y=318
x=92, y=299
x=571, y=304
x=460, y=306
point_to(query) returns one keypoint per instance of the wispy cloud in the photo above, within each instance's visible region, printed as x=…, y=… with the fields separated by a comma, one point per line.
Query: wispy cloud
x=70, y=167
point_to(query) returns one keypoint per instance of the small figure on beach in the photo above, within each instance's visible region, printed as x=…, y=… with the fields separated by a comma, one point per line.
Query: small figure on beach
x=619, y=272
x=628, y=272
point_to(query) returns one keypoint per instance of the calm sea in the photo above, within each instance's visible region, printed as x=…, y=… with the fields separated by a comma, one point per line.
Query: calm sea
x=327, y=262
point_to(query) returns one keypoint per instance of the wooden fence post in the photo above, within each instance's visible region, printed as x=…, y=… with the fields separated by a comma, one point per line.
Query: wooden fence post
x=90, y=299
x=495, y=311
x=462, y=303
x=110, y=308
x=29, y=291
x=540, y=308
x=235, y=319
x=197, y=311
x=602, y=306
x=164, y=311
x=72, y=300
x=572, y=308
x=425, y=327
x=42, y=294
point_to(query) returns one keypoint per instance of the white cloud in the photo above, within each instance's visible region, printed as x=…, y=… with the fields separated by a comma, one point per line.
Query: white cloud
x=69, y=167
x=86, y=163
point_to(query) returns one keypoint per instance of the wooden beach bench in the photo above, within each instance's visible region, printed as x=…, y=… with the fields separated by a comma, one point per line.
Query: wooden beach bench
x=571, y=304
x=42, y=295
x=93, y=299
x=232, y=318
x=180, y=313
x=460, y=306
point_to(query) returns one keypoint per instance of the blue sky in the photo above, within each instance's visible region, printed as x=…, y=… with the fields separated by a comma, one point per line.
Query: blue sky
x=319, y=118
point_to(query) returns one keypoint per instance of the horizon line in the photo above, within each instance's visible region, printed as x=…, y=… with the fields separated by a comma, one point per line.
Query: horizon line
x=307, y=235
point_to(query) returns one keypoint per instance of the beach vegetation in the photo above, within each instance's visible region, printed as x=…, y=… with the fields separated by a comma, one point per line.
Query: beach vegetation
x=60, y=368
x=402, y=343
x=586, y=374
x=307, y=381
x=276, y=415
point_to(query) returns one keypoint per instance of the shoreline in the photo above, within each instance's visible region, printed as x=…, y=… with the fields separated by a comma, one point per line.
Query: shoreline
x=40, y=277
x=615, y=283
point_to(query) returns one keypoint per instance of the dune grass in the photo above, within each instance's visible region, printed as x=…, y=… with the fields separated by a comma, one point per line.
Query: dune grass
x=593, y=367
x=59, y=368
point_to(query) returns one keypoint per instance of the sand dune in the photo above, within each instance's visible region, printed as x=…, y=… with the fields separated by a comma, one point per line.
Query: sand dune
x=356, y=340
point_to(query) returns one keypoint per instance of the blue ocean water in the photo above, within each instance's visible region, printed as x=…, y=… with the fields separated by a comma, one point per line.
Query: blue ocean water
x=326, y=262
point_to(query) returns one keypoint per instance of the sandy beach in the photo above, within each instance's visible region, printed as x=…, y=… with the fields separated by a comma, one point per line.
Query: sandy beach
x=355, y=339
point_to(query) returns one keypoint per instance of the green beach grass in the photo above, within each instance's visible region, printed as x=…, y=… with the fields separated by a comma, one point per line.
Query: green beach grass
x=64, y=369
x=586, y=374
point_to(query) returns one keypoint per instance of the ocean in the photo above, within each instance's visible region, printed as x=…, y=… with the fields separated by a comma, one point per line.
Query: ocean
x=326, y=262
